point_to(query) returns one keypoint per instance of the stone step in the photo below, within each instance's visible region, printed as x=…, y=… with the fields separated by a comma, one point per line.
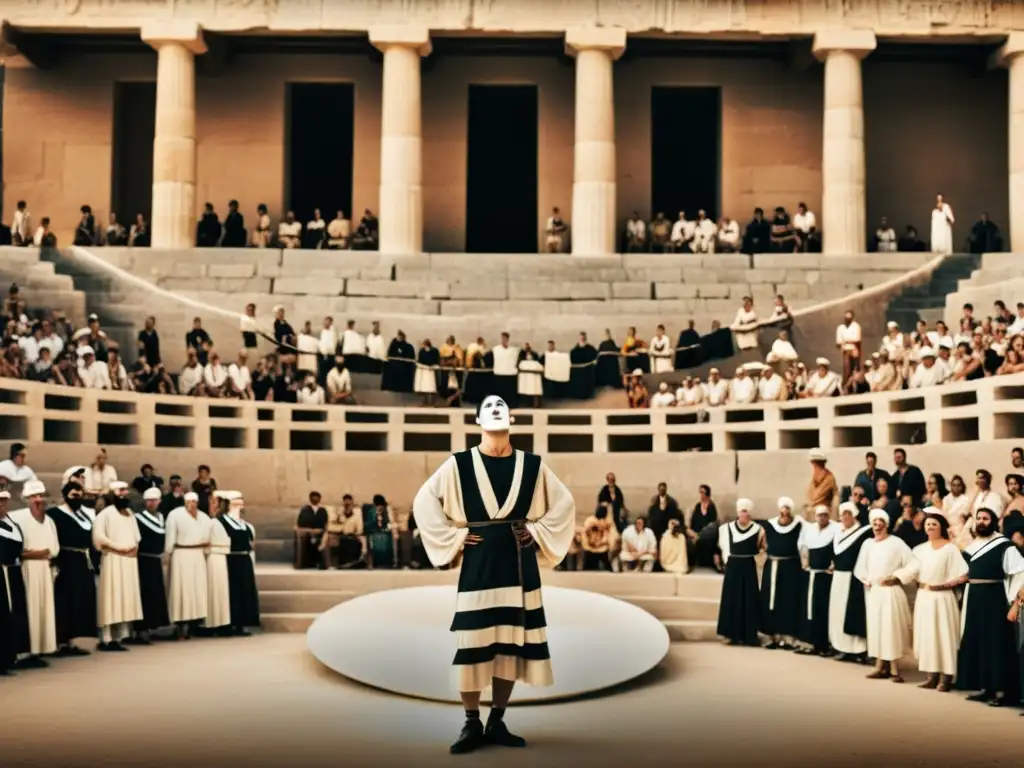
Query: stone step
x=302, y=602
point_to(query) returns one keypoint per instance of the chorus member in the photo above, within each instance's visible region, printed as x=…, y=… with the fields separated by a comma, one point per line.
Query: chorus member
x=884, y=566
x=41, y=547
x=74, y=587
x=847, y=623
x=783, y=579
x=639, y=547
x=15, y=638
x=244, y=597
x=115, y=533
x=936, y=611
x=987, y=662
x=218, y=614
x=672, y=553
x=817, y=542
x=187, y=535
x=661, y=352
x=740, y=541
x=504, y=507
x=152, y=589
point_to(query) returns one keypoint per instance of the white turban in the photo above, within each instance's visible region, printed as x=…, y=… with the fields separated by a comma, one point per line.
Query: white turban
x=119, y=485
x=932, y=511
x=33, y=488
x=5, y=494
x=231, y=495
x=70, y=472
x=744, y=505
x=879, y=514
x=152, y=494
x=785, y=501
x=823, y=361
x=191, y=496
x=816, y=454
x=821, y=509
x=849, y=506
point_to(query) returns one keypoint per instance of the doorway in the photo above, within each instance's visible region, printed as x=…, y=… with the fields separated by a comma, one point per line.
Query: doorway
x=501, y=169
x=131, y=183
x=686, y=151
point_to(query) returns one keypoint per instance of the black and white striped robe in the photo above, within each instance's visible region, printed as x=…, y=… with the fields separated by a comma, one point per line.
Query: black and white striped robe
x=499, y=617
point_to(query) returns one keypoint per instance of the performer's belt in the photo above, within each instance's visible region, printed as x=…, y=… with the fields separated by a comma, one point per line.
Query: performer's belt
x=515, y=524
x=239, y=553
x=732, y=556
x=817, y=570
x=190, y=546
x=149, y=554
x=86, y=552
x=782, y=557
x=220, y=550
x=984, y=581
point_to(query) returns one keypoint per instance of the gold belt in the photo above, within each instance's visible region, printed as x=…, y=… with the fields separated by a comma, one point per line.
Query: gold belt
x=86, y=552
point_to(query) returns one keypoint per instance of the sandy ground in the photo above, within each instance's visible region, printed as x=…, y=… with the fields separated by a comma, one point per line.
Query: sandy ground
x=264, y=701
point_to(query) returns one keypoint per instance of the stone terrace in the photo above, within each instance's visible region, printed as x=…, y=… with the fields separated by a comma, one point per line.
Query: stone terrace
x=1000, y=277
x=40, y=285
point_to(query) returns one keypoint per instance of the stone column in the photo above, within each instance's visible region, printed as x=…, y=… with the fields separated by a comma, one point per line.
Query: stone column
x=1009, y=56
x=174, y=144
x=593, y=225
x=401, y=140
x=843, y=219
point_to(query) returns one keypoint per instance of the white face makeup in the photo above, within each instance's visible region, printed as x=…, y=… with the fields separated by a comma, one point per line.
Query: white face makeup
x=494, y=415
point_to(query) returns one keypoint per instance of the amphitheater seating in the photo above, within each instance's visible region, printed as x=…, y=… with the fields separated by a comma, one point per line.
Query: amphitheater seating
x=998, y=278
x=40, y=285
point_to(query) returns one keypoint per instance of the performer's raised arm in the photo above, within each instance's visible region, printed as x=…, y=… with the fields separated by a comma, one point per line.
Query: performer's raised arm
x=442, y=540
x=552, y=520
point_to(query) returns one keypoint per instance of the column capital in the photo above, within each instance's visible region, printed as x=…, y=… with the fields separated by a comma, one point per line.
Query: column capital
x=611, y=40
x=859, y=42
x=184, y=33
x=1008, y=51
x=401, y=36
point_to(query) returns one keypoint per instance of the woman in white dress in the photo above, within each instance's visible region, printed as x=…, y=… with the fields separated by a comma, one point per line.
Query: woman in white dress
x=218, y=617
x=942, y=226
x=955, y=507
x=936, y=611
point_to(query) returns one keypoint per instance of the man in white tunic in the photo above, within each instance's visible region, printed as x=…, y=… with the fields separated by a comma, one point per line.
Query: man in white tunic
x=742, y=389
x=770, y=387
x=376, y=345
x=823, y=382
x=927, y=373
x=848, y=342
x=942, y=226
x=717, y=388
x=352, y=342
x=663, y=398
x=41, y=546
x=115, y=533
x=661, y=352
x=884, y=566
x=639, y=547
x=744, y=326
x=218, y=615
x=187, y=536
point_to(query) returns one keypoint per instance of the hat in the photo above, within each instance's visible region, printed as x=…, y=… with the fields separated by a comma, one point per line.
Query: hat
x=816, y=454
x=83, y=351
x=119, y=485
x=821, y=509
x=71, y=472
x=932, y=511
x=81, y=332
x=93, y=316
x=230, y=495
x=878, y=514
x=744, y=505
x=218, y=494
x=944, y=344
x=191, y=496
x=892, y=324
x=152, y=494
x=849, y=506
x=33, y=488
x=822, y=361
x=714, y=370
x=5, y=494
x=278, y=308
x=785, y=501
x=926, y=352
x=638, y=372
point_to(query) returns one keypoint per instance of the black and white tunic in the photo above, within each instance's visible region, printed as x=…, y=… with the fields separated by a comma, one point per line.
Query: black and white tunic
x=244, y=597
x=499, y=616
x=74, y=589
x=151, y=570
x=14, y=632
x=987, y=659
x=738, y=610
x=782, y=583
x=818, y=543
x=847, y=611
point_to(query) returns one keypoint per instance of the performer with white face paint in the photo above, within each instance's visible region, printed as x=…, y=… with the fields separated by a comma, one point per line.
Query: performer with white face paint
x=503, y=506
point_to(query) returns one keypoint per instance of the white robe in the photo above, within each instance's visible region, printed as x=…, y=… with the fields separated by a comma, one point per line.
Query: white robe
x=661, y=354
x=942, y=229
x=673, y=555
x=425, y=380
x=529, y=383
x=557, y=366
x=187, y=598
x=840, y=593
x=717, y=392
x=309, y=349
x=742, y=390
x=888, y=609
x=352, y=343
x=936, y=612
x=506, y=361
x=38, y=576
x=218, y=612
x=376, y=347
x=118, y=599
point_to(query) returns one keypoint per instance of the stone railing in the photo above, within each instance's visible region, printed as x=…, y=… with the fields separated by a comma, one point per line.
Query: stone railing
x=985, y=410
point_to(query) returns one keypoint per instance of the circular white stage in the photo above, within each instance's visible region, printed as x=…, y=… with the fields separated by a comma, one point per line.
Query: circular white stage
x=398, y=641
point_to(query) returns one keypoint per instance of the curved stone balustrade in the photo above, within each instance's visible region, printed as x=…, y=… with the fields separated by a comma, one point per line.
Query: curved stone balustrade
x=986, y=410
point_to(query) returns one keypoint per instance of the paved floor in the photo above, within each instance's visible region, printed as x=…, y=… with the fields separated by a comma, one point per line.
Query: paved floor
x=264, y=701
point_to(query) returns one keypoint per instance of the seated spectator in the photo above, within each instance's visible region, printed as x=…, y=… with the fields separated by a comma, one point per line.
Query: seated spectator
x=728, y=235
x=99, y=475
x=985, y=236
x=119, y=379
x=345, y=543
x=661, y=233
x=805, y=227
x=93, y=373
x=115, y=234
x=824, y=382
x=315, y=237
x=782, y=350
x=138, y=235
x=239, y=382
x=412, y=553
x=204, y=486
x=339, y=384
x=215, y=377
x=663, y=398
x=234, y=228
x=366, y=237
x=261, y=235
x=573, y=560
x=190, y=380
x=639, y=547
x=175, y=496
x=682, y=234
x=380, y=535
x=636, y=234
x=771, y=387
x=151, y=378
x=289, y=232
x=147, y=479
x=783, y=238
x=672, y=554
x=884, y=239
x=599, y=538
x=208, y=230
x=556, y=230
x=704, y=234
x=310, y=528
x=311, y=392
x=43, y=237
x=927, y=373
x=757, y=237
x=339, y=232
x=910, y=242
x=14, y=468
x=743, y=388
x=199, y=340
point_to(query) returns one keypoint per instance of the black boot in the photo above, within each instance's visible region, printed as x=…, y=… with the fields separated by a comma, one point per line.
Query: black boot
x=497, y=732
x=471, y=737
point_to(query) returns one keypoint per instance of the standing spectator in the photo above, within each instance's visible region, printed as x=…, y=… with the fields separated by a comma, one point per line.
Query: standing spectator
x=906, y=479
x=14, y=468
x=149, y=342
x=309, y=531
x=611, y=496
x=21, y=225
x=204, y=487
x=175, y=497
x=867, y=478
x=147, y=479
x=823, y=489
x=702, y=530
x=199, y=340
x=100, y=475
x=234, y=228
x=208, y=231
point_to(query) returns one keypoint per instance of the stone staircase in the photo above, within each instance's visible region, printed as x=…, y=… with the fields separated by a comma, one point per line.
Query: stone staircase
x=687, y=605
x=44, y=288
x=928, y=301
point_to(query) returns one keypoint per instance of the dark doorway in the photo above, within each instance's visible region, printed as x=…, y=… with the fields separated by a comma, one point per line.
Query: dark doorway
x=318, y=170
x=685, y=150
x=131, y=185
x=501, y=169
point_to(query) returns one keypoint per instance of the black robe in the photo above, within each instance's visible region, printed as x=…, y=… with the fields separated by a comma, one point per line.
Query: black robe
x=400, y=367
x=705, y=526
x=234, y=230
x=988, y=658
x=208, y=231
x=554, y=390
x=688, y=350
x=74, y=589
x=757, y=237
x=243, y=594
x=152, y=589
x=617, y=503
x=479, y=379
x=14, y=631
x=817, y=596
x=583, y=374
x=846, y=550
x=738, y=611
x=430, y=357
x=782, y=582
x=609, y=370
